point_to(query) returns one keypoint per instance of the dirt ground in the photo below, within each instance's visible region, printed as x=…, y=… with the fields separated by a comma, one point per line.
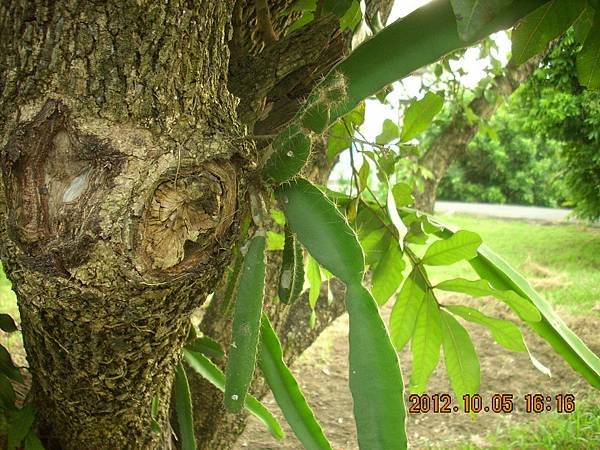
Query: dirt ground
x=323, y=374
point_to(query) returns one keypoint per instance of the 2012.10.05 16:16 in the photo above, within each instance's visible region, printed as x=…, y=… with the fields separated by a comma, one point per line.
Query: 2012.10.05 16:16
x=538, y=403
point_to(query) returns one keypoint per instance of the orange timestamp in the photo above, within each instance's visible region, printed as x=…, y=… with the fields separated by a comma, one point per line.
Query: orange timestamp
x=497, y=403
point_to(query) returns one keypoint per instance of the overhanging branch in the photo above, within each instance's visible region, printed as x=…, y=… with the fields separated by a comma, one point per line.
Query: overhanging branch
x=252, y=77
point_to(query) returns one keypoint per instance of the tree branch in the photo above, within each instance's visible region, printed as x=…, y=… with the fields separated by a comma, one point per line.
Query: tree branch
x=263, y=20
x=252, y=77
x=455, y=138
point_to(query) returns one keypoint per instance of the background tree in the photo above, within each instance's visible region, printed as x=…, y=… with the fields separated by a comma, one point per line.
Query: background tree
x=450, y=139
x=511, y=164
x=545, y=151
x=563, y=111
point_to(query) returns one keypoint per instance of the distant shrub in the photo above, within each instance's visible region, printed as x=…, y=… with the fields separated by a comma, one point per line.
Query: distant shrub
x=512, y=166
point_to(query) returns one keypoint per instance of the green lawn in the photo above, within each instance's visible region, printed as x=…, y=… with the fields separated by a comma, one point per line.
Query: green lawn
x=8, y=305
x=577, y=431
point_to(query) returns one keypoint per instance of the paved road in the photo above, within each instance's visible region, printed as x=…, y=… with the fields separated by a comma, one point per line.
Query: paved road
x=506, y=211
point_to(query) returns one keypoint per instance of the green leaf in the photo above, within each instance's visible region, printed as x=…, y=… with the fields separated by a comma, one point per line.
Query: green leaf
x=375, y=378
x=300, y=6
x=278, y=216
x=7, y=367
x=322, y=229
x=531, y=36
x=420, y=114
x=461, y=245
x=155, y=427
x=32, y=442
x=369, y=217
x=338, y=7
x=339, y=138
x=363, y=176
x=291, y=275
x=381, y=60
x=405, y=310
x=337, y=141
x=291, y=149
x=275, y=241
x=206, y=346
x=389, y=132
x=313, y=275
x=479, y=288
x=387, y=273
x=375, y=244
x=209, y=371
x=551, y=328
x=473, y=15
x=19, y=424
x=233, y=278
x=286, y=391
x=306, y=18
x=426, y=343
x=246, y=322
x=316, y=117
x=154, y=407
x=183, y=406
x=7, y=323
x=352, y=17
x=460, y=357
x=416, y=233
x=470, y=115
x=588, y=59
x=352, y=209
x=402, y=195
x=506, y=333
x=476, y=288
x=357, y=115
x=7, y=393
x=584, y=24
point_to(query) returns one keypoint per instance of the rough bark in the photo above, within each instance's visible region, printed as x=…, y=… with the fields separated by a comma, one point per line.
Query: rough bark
x=454, y=139
x=122, y=173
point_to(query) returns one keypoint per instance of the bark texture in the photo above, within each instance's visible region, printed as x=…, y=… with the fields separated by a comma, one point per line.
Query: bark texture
x=122, y=172
x=454, y=139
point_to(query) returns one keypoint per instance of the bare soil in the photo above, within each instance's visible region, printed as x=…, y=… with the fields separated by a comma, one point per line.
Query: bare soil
x=323, y=374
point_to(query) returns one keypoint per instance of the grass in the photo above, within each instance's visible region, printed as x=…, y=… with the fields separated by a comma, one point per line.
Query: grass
x=561, y=261
x=8, y=305
x=577, y=431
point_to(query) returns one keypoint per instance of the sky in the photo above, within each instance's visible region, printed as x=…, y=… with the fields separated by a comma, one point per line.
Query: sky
x=409, y=87
x=402, y=8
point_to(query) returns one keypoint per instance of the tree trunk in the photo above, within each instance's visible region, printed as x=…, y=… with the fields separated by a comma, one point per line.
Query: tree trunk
x=122, y=173
x=454, y=139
